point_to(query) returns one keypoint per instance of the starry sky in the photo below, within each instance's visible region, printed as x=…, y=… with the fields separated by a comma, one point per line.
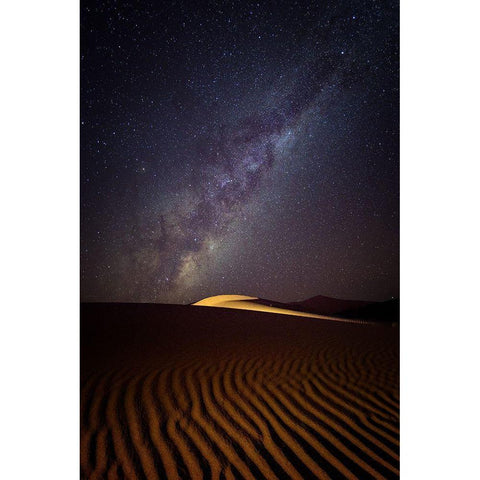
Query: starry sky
x=239, y=147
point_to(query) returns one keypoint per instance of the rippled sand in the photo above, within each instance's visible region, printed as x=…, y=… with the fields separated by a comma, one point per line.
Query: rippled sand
x=184, y=392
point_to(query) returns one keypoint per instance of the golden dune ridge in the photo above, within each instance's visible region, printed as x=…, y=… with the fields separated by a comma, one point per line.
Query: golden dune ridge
x=245, y=302
x=187, y=393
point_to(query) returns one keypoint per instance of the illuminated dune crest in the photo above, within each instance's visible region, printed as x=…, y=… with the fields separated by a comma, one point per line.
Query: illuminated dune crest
x=244, y=302
x=223, y=300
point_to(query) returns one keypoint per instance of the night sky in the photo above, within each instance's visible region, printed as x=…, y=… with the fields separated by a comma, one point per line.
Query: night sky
x=237, y=147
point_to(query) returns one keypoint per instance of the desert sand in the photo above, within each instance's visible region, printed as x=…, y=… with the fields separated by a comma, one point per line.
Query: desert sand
x=244, y=302
x=182, y=392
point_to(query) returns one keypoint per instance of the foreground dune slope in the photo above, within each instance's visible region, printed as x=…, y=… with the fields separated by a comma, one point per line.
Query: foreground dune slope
x=181, y=392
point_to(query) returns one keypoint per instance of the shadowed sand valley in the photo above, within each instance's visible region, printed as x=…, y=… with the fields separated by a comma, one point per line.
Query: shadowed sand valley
x=182, y=392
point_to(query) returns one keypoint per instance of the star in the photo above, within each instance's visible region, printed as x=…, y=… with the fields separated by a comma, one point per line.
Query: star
x=210, y=158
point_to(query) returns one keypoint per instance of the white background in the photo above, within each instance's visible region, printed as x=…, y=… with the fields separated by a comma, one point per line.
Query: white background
x=39, y=201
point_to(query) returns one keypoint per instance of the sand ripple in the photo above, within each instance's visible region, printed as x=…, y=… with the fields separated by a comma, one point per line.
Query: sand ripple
x=324, y=408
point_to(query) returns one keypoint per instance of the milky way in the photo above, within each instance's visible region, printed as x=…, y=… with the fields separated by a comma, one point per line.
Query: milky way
x=239, y=148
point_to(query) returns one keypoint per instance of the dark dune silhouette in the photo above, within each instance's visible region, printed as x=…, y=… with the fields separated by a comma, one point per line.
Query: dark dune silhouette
x=388, y=311
x=329, y=306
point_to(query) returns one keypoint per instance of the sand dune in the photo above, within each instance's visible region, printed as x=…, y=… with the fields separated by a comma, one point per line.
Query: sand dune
x=329, y=305
x=183, y=392
x=244, y=302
